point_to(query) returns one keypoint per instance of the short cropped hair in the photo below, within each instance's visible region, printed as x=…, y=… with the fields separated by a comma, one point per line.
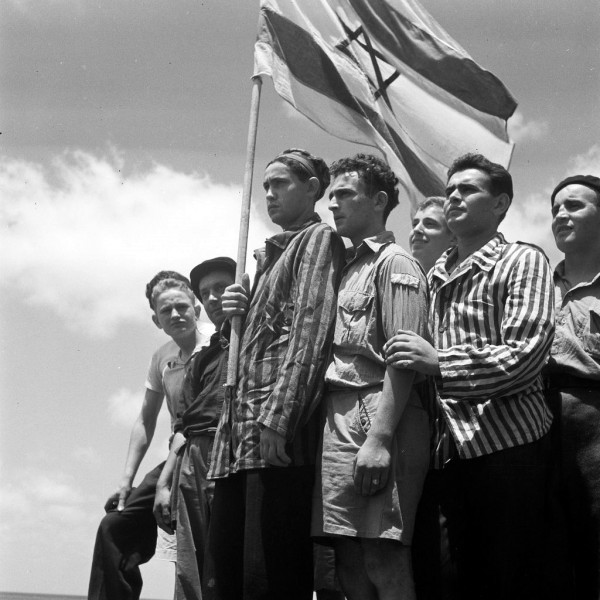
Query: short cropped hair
x=374, y=173
x=172, y=284
x=431, y=201
x=321, y=170
x=160, y=276
x=500, y=178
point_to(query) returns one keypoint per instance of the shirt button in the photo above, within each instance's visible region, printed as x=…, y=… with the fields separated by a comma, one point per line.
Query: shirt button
x=442, y=328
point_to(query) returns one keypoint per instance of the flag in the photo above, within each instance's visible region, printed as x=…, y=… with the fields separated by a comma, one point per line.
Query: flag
x=383, y=73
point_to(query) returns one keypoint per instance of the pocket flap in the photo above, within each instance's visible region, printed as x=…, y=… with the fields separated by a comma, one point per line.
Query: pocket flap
x=353, y=301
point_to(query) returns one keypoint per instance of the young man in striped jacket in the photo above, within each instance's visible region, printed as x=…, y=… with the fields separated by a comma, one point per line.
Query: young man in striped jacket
x=492, y=322
x=266, y=444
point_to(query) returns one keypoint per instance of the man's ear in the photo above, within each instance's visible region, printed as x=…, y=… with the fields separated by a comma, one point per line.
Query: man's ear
x=381, y=200
x=197, y=310
x=156, y=321
x=501, y=204
x=313, y=185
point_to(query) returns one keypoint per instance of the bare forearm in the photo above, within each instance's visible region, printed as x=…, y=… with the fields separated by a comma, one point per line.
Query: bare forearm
x=397, y=386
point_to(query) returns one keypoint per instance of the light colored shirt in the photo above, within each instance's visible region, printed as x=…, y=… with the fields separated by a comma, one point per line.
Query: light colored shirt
x=493, y=323
x=383, y=289
x=576, y=347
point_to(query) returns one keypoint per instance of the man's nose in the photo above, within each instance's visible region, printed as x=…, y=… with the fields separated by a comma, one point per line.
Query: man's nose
x=561, y=214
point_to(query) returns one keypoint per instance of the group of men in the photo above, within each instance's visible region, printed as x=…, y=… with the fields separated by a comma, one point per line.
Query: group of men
x=376, y=405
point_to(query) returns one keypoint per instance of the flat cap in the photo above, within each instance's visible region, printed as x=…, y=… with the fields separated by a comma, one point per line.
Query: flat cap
x=220, y=263
x=587, y=180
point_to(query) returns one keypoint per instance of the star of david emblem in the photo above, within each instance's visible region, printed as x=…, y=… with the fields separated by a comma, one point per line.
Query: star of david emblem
x=360, y=37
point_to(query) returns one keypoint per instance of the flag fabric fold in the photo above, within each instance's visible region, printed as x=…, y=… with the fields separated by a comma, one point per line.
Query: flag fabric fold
x=383, y=73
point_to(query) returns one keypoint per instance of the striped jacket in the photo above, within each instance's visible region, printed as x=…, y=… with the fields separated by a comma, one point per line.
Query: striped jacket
x=284, y=349
x=493, y=323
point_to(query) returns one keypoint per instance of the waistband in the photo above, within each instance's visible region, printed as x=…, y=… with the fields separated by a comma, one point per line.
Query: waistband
x=565, y=381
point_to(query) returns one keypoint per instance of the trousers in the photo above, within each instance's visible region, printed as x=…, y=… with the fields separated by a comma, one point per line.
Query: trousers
x=121, y=534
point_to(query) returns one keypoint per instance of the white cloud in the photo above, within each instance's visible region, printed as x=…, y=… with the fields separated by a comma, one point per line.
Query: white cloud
x=124, y=406
x=521, y=130
x=587, y=163
x=530, y=220
x=82, y=240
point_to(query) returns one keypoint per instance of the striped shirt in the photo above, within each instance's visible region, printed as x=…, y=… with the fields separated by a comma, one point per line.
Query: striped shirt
x=493, y=322
x=284, y=349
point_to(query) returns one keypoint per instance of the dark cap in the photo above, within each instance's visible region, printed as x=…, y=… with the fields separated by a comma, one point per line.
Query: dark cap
x=221, y=263
x=587, y=180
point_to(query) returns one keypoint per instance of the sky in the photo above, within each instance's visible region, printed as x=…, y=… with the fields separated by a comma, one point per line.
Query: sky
x=122, y=139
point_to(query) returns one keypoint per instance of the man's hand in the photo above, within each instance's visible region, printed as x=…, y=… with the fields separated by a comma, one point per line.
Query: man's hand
x=235, y=298
x=272, y=448
x=118, y=499
x=162, y=508
x=372, y=466
x=407, y=350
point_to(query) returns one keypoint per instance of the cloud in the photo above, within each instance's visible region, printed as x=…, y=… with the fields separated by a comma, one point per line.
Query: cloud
x=82, y=239
x=587, y=163
x=530, y=220
x=522, y=131
x=124, y=406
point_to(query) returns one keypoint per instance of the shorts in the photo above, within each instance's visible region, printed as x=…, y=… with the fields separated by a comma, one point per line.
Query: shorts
x=390, y=513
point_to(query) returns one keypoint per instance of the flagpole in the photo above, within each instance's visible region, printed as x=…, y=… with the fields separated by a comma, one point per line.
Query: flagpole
x=236, y=322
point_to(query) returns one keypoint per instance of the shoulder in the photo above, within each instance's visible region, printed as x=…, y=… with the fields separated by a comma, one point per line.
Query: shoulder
x=400, y=267
x=523, y=254
x=397, y=257
x=165, y=353
x=527, y=248
x=321, y=236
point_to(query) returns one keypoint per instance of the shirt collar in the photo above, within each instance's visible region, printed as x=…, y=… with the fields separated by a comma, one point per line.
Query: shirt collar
x=372, y=244
x=282, y=239
x=485, y=258
x=559, y=277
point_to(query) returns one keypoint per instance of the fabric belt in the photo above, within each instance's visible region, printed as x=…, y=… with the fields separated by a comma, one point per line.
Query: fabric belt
x=566, y=381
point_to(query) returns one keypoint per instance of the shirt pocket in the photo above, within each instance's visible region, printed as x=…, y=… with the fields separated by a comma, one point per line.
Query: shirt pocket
x=591, y=336
x=354, y=316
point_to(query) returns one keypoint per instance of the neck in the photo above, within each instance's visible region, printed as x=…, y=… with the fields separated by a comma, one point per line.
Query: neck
x=300, y=220
x=582, y=266
x=467, y=245
x=187, y=344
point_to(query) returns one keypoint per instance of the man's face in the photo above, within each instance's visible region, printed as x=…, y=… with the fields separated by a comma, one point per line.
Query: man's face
x=289, y=200
x=429, y=236
x=576, y=219
x=211, y=288
x=353, y=209
x=470, y=206
x=176, y=314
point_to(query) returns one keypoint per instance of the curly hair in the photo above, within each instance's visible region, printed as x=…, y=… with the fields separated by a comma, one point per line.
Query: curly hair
x=320, y=168
x=160, y=276
x=374, y=173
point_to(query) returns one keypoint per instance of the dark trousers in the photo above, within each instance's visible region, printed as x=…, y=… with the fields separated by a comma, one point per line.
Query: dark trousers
x=120, y=534
x=259, y=544
x=578, y=425
x=434, y=570
x=495, y=507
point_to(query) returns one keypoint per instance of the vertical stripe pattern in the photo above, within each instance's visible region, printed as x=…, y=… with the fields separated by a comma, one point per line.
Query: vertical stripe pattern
x=284, y=348
x=493, y=323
